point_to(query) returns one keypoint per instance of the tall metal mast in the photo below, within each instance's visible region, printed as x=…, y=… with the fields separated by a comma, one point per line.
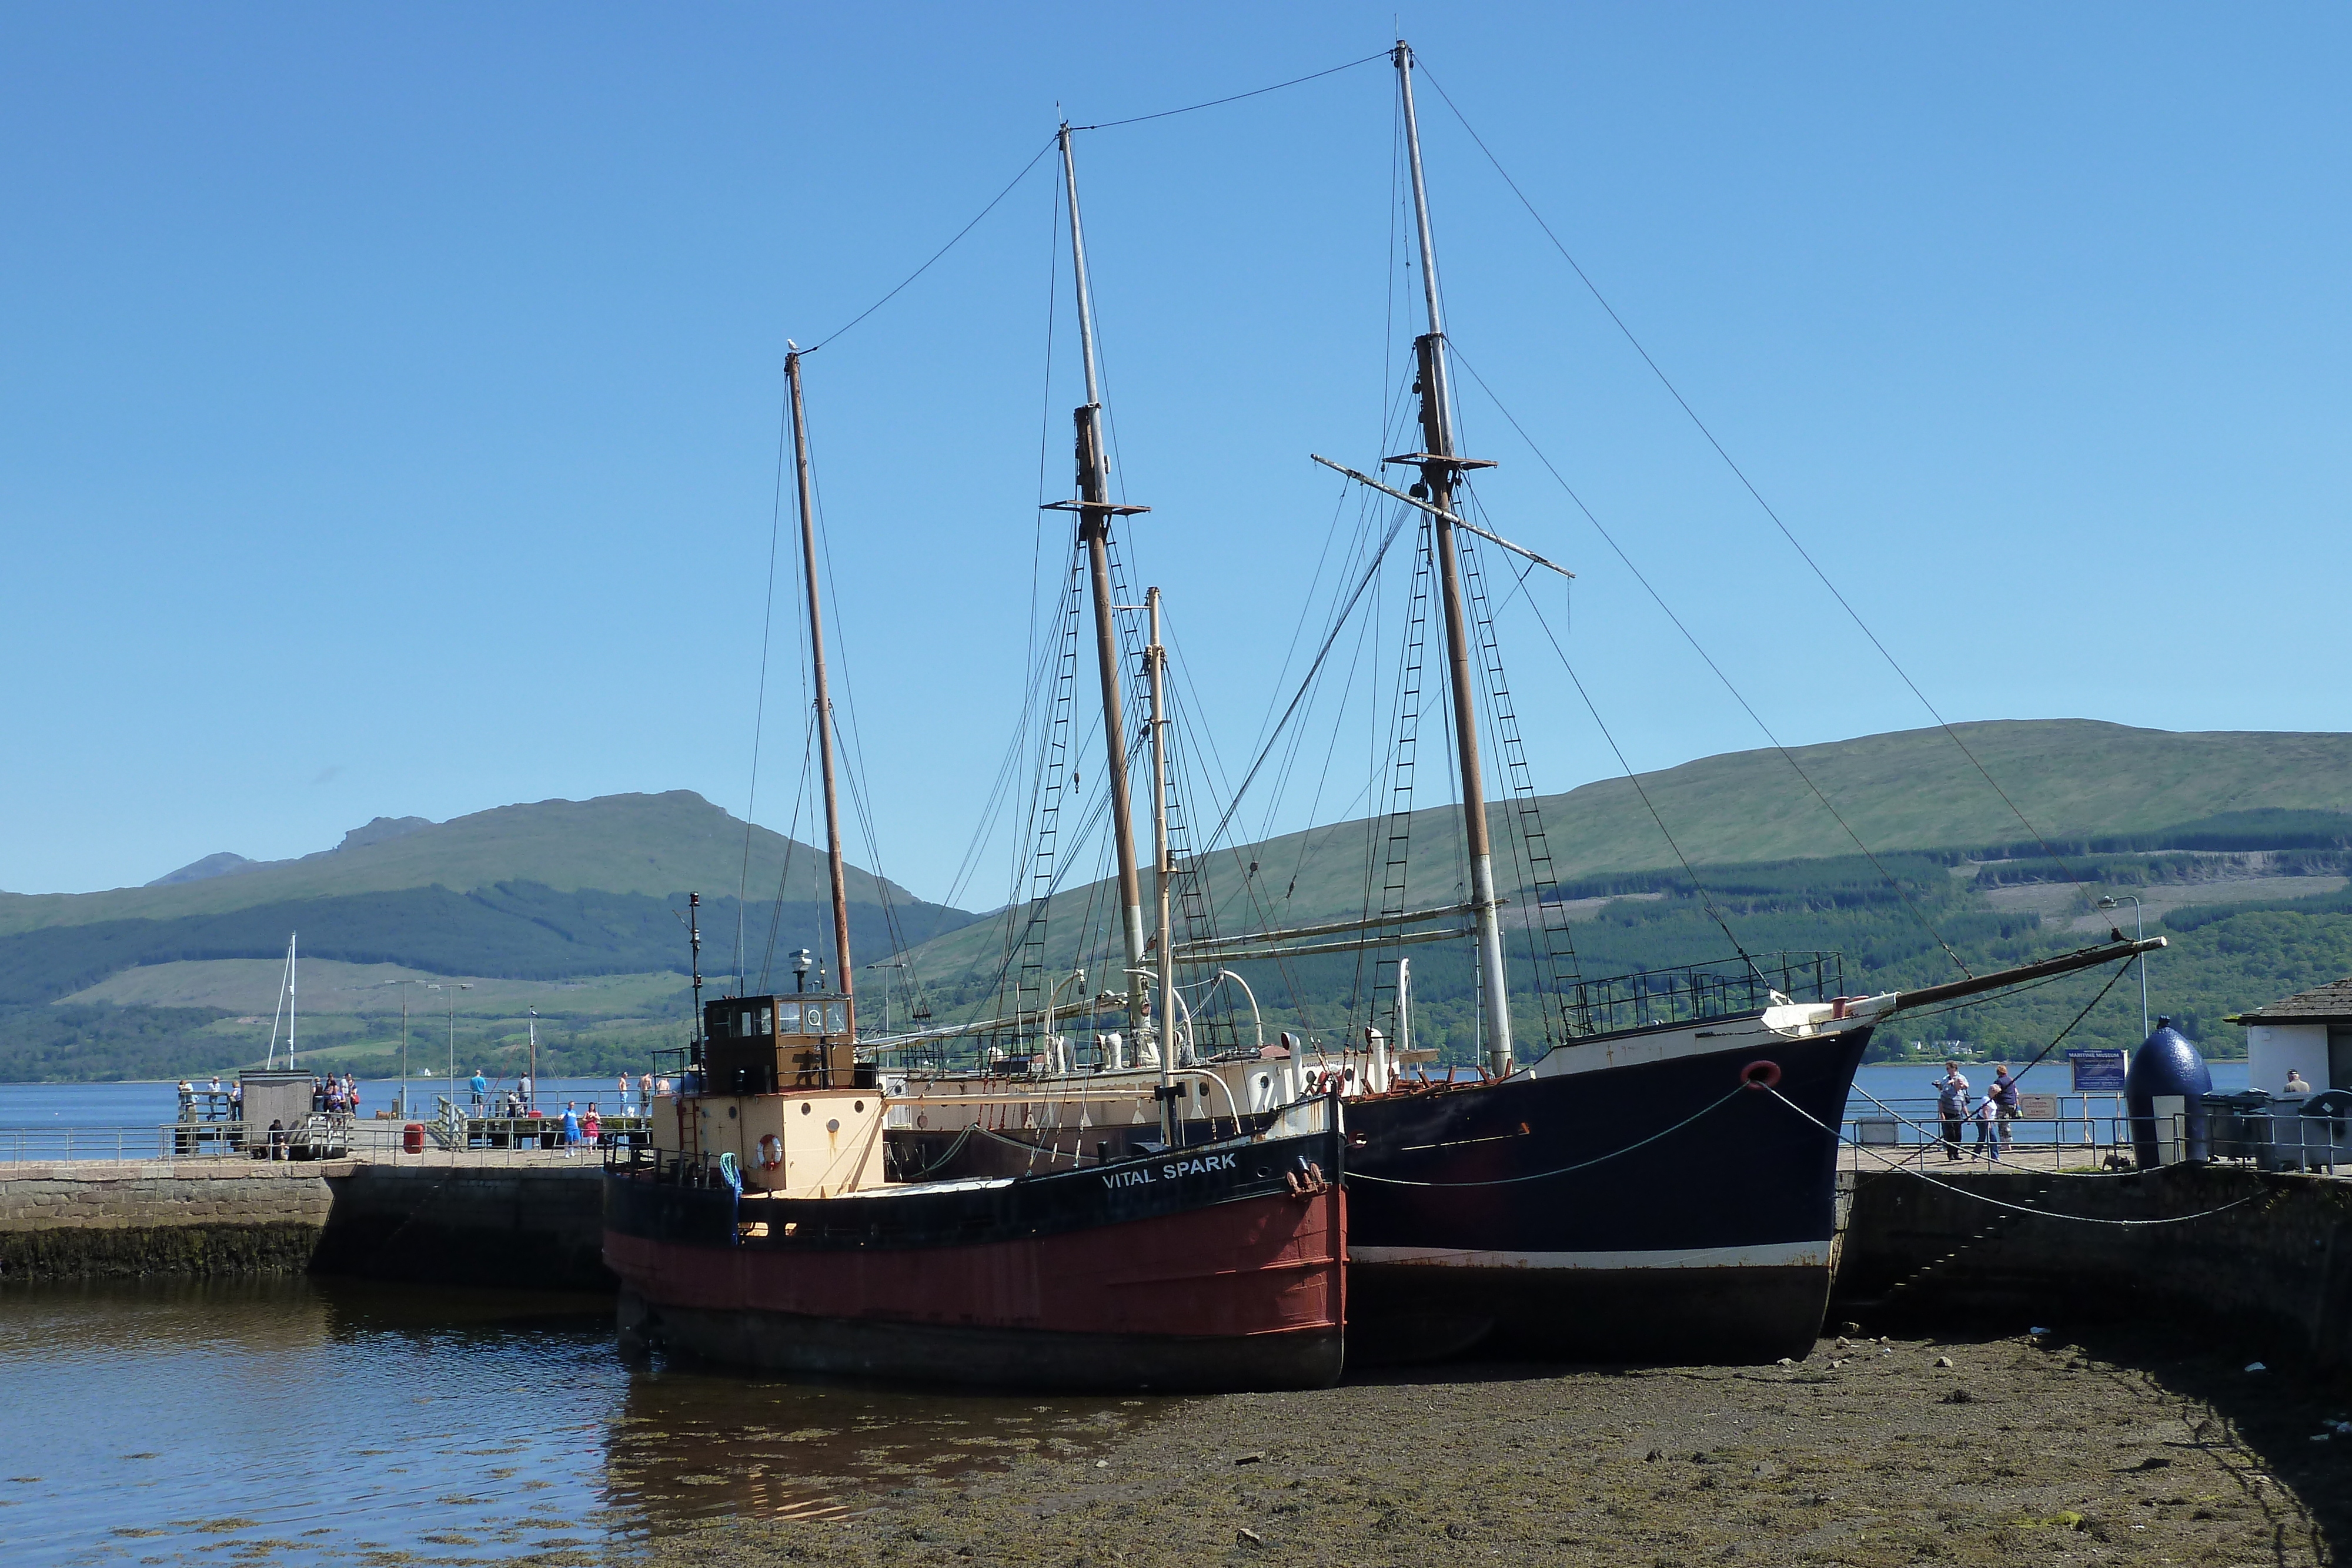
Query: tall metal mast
x=1441, y=469
x=823, y=692
x=1163, y=871
x=1096, y=509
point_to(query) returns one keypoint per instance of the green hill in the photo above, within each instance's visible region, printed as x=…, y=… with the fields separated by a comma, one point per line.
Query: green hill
x=649, y=844
x=2249, y=821
x=554, y=892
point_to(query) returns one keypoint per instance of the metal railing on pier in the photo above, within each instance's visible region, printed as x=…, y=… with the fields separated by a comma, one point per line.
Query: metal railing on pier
x=372, y=1140
x=2093, y=1132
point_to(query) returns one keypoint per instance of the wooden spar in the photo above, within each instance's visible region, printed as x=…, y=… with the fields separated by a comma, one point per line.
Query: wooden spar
x=1163, y=873
x=841, y=971
x=1462, y=523
x=1441, y=465
x=1211, y=945
x=2083, y=958
x=1095, y=511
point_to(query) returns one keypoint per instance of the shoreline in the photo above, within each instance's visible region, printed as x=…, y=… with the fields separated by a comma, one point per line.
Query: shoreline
x=2127, y=1446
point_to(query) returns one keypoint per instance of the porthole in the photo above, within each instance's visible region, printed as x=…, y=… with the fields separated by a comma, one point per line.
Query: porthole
x=857, y=1105
x=806, y=1107
x=731, y=1113
x=833, y=1125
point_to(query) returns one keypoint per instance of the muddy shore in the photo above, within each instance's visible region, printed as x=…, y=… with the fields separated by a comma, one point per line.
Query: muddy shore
x=2126, y=1447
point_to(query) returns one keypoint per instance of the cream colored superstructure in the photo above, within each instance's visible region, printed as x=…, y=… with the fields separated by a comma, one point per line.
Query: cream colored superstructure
x=802, y=1142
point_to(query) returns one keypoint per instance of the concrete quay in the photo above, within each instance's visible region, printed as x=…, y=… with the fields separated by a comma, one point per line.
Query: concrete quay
x=2258, y=1254
x=527, y=1218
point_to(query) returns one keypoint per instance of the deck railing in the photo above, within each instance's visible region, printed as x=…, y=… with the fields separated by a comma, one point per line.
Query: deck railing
x=1692, y=993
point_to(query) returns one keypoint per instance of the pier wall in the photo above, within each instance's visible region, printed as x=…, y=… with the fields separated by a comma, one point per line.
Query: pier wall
x=215, y=1217
x=534, y=1226
x=2275, y=1265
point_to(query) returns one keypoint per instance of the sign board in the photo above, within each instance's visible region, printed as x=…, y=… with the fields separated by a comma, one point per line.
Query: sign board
x=2038, y=1107
x=2097, y=1071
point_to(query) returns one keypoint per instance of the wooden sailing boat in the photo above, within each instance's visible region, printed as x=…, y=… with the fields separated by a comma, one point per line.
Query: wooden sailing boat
x=763, y=1227
x=1576, y=1205
x=1662, y=1182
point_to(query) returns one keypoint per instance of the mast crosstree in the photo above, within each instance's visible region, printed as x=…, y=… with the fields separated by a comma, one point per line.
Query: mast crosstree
x=1096, y=509
x=1441, y=470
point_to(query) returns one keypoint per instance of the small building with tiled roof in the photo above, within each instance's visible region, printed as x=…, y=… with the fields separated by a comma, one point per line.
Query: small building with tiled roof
x=2309, y=1032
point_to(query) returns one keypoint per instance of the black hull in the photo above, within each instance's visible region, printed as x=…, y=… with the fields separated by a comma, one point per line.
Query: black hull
x=1531, y=1217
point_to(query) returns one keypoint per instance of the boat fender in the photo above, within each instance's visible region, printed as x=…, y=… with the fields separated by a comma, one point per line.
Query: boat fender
x=771, y=1152
x=1761, y=1075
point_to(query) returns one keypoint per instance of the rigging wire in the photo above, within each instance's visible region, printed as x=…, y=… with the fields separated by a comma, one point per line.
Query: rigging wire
x=760, y=705
x=1787, y=756
x=1235, y=98
x=1742, y=474
x=919, y=272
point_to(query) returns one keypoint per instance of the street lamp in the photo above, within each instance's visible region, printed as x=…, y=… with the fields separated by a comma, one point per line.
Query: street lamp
x=403, y=1111
x=2139, y=929
x=892, y=964
x=452, y=994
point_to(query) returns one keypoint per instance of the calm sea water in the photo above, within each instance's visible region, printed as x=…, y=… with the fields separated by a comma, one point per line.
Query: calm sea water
x=151, y=1104
x=148, y=1104
x=300, y=1421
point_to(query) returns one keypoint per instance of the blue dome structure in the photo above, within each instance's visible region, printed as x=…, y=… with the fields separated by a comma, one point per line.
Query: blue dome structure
x=2166, y=1066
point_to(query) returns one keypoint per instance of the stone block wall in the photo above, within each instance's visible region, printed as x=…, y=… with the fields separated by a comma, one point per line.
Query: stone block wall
x=191, y=1217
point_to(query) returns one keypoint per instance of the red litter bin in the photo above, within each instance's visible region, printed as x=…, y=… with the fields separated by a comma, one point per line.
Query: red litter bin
x=412, y=1138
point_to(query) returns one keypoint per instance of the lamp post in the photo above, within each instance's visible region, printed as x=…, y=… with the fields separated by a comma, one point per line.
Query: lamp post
x=451, y=992
x=2139, y=930
x=403, y=1111
x=891, y=964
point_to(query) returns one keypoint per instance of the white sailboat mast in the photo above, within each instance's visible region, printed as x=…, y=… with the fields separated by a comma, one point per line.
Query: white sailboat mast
x=1441, y=468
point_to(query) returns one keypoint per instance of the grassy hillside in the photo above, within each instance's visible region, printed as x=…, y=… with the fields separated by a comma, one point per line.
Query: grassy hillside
x=2246, y=815
x=2077, y=781
x=650, y=845
x=552, y=892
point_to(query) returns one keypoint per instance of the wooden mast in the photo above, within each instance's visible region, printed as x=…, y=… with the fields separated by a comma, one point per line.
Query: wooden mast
x=1163, y=871
x=1096, y=509
x=1441, y=467
x=823, y=692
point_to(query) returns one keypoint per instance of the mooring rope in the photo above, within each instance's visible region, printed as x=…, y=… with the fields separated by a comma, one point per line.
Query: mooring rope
x=1564, y=1170
x=1999, y=1203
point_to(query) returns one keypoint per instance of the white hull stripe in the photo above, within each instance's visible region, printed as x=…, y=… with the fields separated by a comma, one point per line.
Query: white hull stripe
x=1772, y=1255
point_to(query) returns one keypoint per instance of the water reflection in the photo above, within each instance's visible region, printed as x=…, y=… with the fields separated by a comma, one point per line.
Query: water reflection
x=298, y=1421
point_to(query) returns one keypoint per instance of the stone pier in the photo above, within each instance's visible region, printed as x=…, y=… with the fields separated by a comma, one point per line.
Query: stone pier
x=528, y=1219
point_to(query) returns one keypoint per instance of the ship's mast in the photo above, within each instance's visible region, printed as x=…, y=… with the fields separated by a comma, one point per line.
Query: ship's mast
x=1096, y=509
x=1163, y=871
x=823, y=692
x=1441, y=469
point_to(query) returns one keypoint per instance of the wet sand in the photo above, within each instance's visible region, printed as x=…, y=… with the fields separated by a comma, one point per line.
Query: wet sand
x=2131, y=1448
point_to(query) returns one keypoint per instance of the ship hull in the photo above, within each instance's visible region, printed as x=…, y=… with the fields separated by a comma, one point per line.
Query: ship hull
x=1626, y=1199
x=1198, y=1269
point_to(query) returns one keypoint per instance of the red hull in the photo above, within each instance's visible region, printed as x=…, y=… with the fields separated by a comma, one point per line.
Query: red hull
x=1248, y=1293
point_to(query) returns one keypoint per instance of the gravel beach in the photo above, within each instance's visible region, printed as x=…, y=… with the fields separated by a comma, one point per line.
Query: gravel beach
x=2126, y=1447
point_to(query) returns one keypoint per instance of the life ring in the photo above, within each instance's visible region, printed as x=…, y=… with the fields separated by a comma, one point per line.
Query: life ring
x=1761, y=1075
x=771, y=1152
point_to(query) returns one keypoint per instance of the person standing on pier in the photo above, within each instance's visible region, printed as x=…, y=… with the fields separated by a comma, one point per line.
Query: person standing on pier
x=480, y=1088
x=625, y=1096
x=570, y=1125
x=1989, y=1126
x=1952, y=1108
x=2004, y=1093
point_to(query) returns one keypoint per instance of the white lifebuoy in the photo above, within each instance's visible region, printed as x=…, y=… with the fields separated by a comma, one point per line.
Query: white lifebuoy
x=771, y=1152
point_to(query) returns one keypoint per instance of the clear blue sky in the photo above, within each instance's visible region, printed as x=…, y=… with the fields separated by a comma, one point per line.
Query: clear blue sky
x=389, y=395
